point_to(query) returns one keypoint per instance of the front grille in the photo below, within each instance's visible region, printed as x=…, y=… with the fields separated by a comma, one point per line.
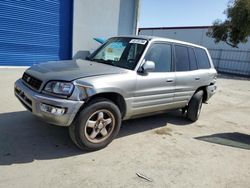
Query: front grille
x=32, y=81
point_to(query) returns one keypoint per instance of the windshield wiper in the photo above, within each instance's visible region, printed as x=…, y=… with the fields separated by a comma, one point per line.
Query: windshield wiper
x=109, y=62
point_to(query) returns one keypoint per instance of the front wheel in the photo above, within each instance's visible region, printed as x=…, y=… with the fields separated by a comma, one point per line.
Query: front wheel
x=194, y=106
x=96, y=126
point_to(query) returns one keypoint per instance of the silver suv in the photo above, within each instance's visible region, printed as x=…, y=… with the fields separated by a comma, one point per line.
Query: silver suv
x=125, y=78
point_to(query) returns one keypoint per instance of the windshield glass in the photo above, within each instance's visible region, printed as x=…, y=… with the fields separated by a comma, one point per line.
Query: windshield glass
x=120, y=52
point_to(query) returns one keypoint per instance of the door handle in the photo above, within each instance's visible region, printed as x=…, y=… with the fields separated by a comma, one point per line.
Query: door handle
x=197, y=78
x=170, y=80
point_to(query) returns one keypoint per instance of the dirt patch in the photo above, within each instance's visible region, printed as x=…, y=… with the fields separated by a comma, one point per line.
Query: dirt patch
x=177, y=133
x=230, y=122
x=164, y=131
x=200, y=126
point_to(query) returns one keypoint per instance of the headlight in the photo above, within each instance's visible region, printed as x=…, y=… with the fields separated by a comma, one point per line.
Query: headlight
x=61, y=88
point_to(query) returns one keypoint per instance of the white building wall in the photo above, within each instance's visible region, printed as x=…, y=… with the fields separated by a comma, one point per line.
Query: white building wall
x=226, y=58
x=101, y=19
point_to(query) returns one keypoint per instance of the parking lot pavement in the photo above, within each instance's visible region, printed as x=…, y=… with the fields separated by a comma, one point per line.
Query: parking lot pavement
x=167, y=148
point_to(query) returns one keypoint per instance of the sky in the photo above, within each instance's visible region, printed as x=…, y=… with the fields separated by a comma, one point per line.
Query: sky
x=172, y=13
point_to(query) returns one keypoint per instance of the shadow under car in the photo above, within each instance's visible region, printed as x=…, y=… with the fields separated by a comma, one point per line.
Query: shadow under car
x=24, y=138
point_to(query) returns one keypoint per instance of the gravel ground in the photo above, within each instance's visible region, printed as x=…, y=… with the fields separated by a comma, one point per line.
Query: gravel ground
x=167, y=148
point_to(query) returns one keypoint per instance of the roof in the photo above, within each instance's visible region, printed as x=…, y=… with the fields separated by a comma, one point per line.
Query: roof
x=168, y=28
x=155, y=38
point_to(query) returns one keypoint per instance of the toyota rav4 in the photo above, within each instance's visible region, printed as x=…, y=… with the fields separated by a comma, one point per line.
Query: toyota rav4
x=125, y=78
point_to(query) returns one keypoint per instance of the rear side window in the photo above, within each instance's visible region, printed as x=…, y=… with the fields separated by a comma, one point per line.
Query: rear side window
x=160, y=54
x=181, y=58
x=192, y=59
x=202, y=58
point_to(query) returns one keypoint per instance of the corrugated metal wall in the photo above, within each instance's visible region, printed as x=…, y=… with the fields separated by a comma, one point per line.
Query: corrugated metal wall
x=226, y=58
x=35, y=31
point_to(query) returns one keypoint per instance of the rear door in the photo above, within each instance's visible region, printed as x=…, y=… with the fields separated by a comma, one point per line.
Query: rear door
x=188, y=77
x=155, y=90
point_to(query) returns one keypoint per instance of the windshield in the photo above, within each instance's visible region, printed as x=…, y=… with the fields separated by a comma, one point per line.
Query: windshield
x=120, y=52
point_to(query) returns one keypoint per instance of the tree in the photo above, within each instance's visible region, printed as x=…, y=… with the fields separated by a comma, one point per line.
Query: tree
x=236, y=28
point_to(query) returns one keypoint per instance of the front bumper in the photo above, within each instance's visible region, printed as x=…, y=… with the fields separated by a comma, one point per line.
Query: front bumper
x=32, y=101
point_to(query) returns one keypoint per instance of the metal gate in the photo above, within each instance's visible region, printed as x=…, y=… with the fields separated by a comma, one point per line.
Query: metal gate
x=231, y=61
x=35, y=31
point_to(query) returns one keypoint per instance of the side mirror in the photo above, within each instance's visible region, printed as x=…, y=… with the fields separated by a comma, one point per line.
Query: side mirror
x=148, y=66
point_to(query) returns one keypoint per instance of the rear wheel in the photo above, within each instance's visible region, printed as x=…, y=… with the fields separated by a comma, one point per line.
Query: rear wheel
x=96, y=126
x=194, y=106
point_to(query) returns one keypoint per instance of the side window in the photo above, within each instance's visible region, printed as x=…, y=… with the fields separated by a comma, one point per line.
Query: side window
x=203, y=61
x=161, y=55
x=192, y=59
x=181, y=58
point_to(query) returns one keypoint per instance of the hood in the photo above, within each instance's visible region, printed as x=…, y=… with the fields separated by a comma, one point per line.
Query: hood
x=71, y=69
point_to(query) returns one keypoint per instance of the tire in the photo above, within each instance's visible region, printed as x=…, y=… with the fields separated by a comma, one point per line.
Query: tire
x=194, y=106
x=96, y=125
